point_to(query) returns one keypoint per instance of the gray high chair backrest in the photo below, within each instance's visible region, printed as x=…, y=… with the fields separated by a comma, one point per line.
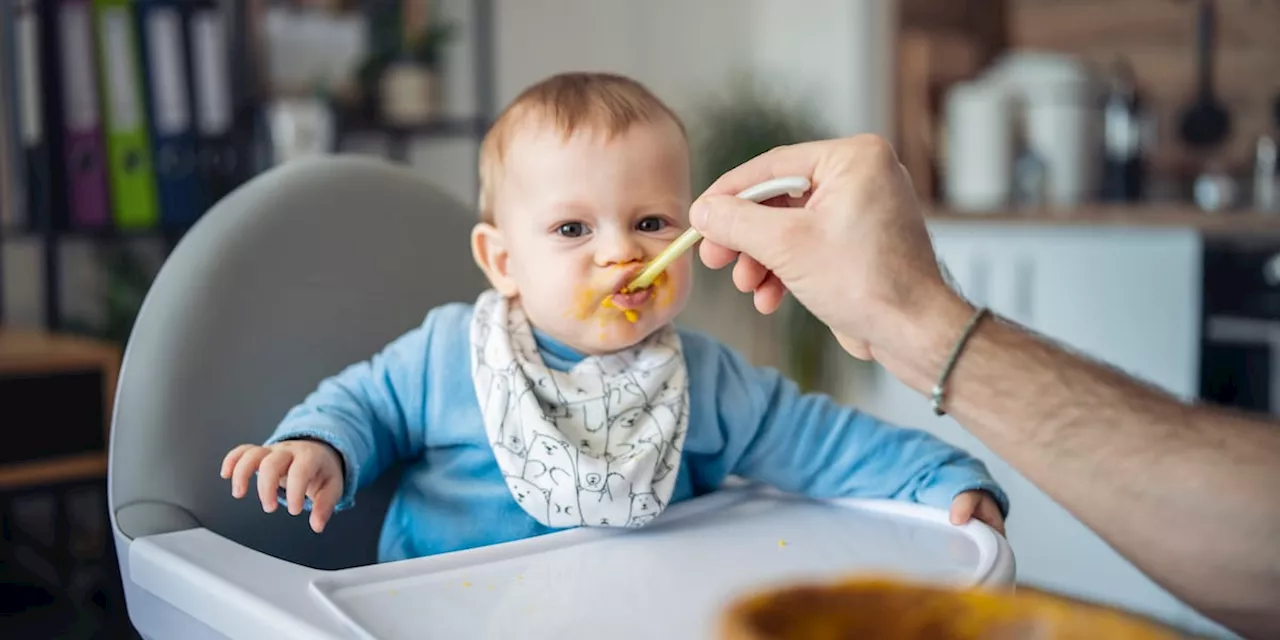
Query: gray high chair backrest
x=302, y=271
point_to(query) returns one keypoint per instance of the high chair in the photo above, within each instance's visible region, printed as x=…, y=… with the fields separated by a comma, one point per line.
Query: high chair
x=317, y=264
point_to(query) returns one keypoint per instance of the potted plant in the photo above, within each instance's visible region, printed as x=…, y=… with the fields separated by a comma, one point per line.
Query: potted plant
x=745, y=123
x=401, y=77
x=128, y=277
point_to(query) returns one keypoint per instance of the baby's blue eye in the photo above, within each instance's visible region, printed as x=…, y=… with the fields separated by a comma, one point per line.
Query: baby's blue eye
x=572, y=229
x=652, y=225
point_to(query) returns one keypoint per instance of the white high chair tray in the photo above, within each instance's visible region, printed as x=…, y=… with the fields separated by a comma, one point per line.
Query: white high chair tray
x=669, y=580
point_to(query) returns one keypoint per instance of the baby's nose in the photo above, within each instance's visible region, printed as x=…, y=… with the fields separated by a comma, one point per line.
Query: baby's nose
x=619, y=248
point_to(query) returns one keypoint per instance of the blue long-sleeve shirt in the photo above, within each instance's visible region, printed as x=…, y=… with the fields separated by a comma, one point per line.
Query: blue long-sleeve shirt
x=415, y=402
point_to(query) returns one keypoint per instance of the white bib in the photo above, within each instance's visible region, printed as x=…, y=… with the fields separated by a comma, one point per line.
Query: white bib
x=598, y=445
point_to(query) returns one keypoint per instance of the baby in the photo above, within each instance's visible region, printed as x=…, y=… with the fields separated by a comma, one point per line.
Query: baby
x=554, y=400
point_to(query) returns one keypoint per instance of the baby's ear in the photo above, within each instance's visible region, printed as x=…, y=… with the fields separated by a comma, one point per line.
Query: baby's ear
x=489, y=250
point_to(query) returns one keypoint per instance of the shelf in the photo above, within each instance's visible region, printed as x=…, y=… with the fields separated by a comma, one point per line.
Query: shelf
x=93, y=234
x=39, y=473
x=350, y=120
x=42, y=352
x=440, y=128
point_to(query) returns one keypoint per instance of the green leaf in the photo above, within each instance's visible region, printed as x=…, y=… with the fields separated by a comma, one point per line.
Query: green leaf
x=746, y=122
x=428, y=47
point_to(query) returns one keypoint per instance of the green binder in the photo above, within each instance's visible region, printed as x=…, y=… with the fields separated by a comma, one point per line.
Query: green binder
x=130, y=167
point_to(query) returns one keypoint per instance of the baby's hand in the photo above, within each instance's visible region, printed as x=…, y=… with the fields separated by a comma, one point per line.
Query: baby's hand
x=977, y=504
x=305, y=468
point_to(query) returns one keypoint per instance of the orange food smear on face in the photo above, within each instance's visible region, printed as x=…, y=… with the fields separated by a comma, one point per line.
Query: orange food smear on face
x=630, y=314
x=586, y=303
x=589, y=301
x=663, y=295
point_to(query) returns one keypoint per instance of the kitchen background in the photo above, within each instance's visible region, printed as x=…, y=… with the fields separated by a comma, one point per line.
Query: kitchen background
x=1101, y=171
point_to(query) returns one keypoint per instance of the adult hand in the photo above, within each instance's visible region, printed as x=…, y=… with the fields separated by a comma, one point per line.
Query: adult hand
x=1161, y=481
x=854, y=250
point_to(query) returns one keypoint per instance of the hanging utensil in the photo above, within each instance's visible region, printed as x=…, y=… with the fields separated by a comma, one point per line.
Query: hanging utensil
x=1205, y=122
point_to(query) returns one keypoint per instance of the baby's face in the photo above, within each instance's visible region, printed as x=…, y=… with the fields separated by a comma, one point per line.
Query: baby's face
x=578, y=218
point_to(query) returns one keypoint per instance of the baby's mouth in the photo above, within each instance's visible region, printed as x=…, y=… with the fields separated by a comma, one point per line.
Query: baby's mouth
x=631, y=300
x=623, y=298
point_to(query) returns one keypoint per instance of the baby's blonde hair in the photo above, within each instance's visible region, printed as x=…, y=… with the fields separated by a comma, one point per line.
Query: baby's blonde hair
x=607, y=103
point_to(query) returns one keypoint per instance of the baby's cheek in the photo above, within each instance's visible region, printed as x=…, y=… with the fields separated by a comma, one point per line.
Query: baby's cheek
x=584, y=302
x=672, y=293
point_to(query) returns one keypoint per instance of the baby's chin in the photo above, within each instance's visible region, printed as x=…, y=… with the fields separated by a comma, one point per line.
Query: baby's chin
x=609, y=326
x=612, y=337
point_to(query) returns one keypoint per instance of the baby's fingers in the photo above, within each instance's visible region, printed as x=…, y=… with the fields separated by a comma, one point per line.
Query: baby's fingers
x=301, y=474
x=963, y=506
x=324, y=498
x=989, y=512
x=232, y=457
x=272, y=469
x=244, y=469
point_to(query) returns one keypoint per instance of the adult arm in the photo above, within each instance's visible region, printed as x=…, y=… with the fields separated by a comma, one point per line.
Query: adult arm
x=1187, y=493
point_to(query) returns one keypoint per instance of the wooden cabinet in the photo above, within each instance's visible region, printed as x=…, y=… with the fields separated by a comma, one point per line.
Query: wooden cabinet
x=56, y=396
x=1129, y=296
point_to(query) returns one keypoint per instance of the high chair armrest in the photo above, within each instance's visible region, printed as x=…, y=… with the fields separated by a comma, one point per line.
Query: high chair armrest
x=152, y=517
x=237, y=591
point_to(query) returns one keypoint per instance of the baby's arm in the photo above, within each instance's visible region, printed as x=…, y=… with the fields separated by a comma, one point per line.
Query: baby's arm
x=810, y=444
x=352, y=427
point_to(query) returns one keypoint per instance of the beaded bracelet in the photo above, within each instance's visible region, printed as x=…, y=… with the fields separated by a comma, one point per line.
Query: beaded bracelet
x=955, y=356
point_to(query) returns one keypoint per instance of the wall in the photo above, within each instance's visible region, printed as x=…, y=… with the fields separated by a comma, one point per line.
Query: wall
x=685, y=51
x=832, y=56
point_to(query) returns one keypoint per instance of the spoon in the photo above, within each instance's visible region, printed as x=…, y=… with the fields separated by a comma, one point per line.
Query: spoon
x=794, y=186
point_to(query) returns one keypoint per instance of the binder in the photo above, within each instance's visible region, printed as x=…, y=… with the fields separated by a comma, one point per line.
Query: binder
x=163, y=43
x=128, y=142
x=221, y=159
x=11, y=173
x=32, y=162
x=83, y=172
x=7, y=217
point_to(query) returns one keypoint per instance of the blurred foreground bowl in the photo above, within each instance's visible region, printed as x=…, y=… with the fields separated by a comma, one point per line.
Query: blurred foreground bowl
x=889, y=609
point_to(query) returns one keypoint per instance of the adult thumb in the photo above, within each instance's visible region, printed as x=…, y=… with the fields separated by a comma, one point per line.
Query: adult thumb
x=736, y=224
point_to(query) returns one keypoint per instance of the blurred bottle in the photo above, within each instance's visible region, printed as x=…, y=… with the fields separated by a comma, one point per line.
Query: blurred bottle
x=1030, y=172
x=1266, y=179
x=1264, y=176
x=979, y=148
x=1124, y=163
